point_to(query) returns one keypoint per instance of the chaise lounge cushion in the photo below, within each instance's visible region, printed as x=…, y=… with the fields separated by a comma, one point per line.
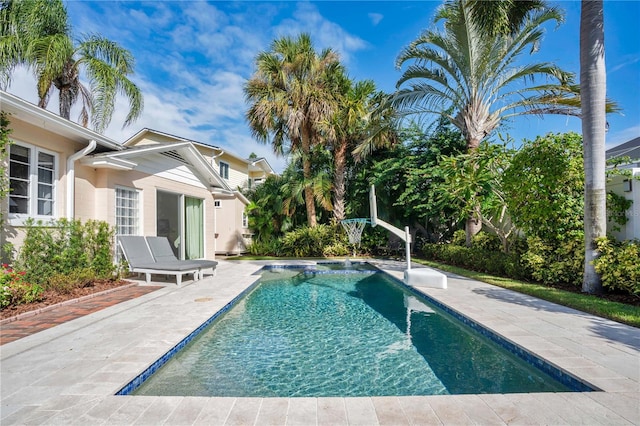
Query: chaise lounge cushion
x=162, y=252
x=141, y=260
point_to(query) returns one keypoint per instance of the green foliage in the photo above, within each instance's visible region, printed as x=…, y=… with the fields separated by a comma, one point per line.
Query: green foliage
x=64, y=247
x=555, y=263
x=490, y=261
x=618, y=265
x=15, y=290
x=65, y=283
x=311, y=242
x=544, y=187
x=617, y=206
x=459, y=238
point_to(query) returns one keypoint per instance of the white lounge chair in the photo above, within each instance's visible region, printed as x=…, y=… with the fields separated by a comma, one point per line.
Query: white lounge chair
x=162, y=252
x=140, y=259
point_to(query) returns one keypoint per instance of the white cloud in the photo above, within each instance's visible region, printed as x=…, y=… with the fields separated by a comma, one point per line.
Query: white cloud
x=375, y=18
x=324, y=33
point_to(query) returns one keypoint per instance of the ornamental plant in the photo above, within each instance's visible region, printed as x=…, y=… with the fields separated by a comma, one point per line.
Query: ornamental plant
x=14, y=290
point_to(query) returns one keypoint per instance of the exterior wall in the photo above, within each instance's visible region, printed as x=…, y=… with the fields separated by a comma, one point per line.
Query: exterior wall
x=631, y=230
x=22, y=132
x=148, y=187
x=238, y=174
x=231, y=236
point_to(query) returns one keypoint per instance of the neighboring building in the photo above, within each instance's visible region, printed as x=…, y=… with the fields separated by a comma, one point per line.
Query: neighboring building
x=629, y=187
x=154, y=184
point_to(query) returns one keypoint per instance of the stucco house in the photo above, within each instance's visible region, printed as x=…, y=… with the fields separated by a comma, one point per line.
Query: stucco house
x=627, y=186
x=152, y=184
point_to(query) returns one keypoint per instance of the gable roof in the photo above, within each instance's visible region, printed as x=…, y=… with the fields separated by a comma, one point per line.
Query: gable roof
x=627, y=149
x=182, y=152
x=253, y=164
x=42, y=118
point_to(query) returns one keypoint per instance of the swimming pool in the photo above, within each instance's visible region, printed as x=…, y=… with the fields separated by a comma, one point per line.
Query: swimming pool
x=357, y=334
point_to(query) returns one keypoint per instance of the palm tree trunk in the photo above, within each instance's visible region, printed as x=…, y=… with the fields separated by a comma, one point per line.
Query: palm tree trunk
x=306, y=172
x=593, y=97
x=340, y=160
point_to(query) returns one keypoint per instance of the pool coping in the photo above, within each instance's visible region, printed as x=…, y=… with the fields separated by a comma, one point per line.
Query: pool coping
x=70, y=373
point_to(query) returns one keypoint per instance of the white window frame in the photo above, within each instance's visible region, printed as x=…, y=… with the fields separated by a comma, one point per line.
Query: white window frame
x=224, y=169
x=138, y=209
x=18, y=219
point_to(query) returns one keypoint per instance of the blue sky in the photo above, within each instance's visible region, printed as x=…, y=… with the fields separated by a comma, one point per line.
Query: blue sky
x=193, y=58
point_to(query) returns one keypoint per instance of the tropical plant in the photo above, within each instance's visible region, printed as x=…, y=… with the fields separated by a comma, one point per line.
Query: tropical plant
x=593, y=101
x=36, y=34
x=474, y=77
x=544, y=186
x=474, y=180
x=290, y=94
x=360, y=124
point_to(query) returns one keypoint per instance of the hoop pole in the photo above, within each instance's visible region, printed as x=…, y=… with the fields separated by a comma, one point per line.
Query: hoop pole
x=407, y=246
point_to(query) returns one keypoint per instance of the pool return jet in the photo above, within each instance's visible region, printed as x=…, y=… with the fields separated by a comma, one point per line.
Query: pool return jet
x=425, y=277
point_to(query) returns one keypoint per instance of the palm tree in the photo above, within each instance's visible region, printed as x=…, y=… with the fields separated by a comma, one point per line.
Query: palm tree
x=36, y=34
x=593, y=89
x=290, y=94
x=474, y=74
x=356, y=126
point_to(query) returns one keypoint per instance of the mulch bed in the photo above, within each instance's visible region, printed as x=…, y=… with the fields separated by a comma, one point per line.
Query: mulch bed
x=52, y=297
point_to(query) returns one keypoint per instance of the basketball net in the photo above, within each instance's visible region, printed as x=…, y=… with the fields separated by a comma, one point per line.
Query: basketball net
x=353, y=228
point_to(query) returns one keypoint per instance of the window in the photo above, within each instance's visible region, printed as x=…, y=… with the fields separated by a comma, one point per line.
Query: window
x=224, y=170
x=245, y=220
x=32, y=179
x=127, y=211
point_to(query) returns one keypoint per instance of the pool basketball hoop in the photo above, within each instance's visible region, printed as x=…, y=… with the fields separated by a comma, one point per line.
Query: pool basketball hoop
x=353, y=228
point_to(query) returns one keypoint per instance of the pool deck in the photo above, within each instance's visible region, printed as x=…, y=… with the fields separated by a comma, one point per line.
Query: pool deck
x=69, y=374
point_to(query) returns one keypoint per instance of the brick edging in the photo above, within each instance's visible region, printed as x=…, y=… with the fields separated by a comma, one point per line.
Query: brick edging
x=66, y=302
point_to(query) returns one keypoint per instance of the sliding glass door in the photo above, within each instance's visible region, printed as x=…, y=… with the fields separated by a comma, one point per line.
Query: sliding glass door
x=181, y=219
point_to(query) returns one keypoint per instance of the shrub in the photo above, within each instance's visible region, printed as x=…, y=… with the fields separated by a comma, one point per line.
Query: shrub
x=485, y=241
x=337, y=249
x=618, y=265
x=459, y=238
x=15, y=290
x=66, y=283
x=310, y=242
x=477, y=259
x=558, y=263
x=265, y=248
x=65, y=247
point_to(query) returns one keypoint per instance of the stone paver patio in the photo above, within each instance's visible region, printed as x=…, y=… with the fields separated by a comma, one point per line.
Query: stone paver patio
x=69, y=374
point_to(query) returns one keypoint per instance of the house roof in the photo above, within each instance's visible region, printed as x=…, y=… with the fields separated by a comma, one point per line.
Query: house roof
x=42, y=118
x=628, y=149
x=253, y=164
x=183, y=152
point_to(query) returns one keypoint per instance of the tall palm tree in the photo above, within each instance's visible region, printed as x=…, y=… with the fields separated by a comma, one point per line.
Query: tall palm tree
x=474, y=74
x=36, y=33
x=356, y=123
x=289, y=96
x=593, y=89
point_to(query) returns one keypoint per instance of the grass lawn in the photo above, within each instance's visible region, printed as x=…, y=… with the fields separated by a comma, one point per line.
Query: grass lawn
x=616, y=311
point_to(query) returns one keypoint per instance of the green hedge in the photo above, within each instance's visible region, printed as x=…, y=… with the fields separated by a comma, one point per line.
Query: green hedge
x=66, y=248
x=619, y=264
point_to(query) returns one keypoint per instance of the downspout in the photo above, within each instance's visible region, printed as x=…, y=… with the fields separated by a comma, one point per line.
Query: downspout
x=71, y=177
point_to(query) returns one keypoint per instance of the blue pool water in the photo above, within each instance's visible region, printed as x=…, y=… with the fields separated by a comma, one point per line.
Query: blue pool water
x=300, y=333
